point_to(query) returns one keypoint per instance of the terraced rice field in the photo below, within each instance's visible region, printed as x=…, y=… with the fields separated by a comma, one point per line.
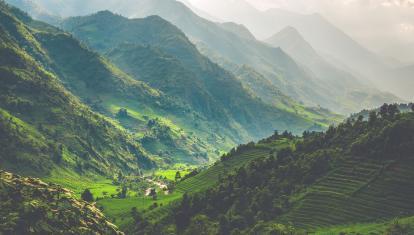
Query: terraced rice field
x=210, y=176
x=357, y=192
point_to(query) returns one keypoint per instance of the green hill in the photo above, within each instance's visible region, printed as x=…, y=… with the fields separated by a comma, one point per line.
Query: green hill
x=343, y=87
x=241, y=157
x=351, y=177
x=45, y=127
x=163, y=124
x=153, y=50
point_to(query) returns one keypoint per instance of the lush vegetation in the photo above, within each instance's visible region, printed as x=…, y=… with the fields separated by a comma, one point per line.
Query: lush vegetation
x=42, y=125
x=165, y=59
x=359, y=171
x=30, y=206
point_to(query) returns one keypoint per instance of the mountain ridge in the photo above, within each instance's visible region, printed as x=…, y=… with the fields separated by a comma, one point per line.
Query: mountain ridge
x=206, y=73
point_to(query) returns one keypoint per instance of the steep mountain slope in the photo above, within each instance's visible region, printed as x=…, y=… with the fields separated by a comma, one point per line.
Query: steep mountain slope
x=205, y=86
x=358, y=172
x=273, y=64
x=108, y=90
x=238, y=29
x=261, y=87
x=329, y=41
x=30, y=206
x=43, y=126
x=344, y=88
x=35, y=10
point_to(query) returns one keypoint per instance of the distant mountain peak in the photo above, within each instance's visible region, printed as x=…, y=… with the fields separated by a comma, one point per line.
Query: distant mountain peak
x=238, y=29
x=290, y=38
x=290, y=30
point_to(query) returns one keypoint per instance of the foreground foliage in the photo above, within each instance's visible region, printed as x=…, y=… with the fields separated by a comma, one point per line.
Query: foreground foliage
x=30, y=206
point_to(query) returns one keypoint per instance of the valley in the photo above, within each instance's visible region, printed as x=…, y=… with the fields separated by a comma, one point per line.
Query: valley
x=153, y=117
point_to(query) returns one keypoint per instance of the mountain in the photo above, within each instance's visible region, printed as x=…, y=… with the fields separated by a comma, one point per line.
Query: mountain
x=344, y=88
x=35, y=10
x=329, y=41
x=238, y=29
x=272, y=63
x=43, y=126
x=162, y=124
x=358, y=172
x=400, y=80
x=138, y=46
x=29, y=205
x=200, y=12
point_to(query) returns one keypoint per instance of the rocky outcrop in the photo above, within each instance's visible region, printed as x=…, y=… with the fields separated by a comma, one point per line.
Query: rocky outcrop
x=30, y=206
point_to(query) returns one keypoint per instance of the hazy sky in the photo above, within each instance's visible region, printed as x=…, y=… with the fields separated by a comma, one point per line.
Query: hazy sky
x=383, y=26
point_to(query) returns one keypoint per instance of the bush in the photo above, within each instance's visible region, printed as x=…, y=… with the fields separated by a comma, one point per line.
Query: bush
x=87, y=195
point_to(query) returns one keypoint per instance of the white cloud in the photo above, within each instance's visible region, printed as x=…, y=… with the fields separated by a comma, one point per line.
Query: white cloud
x=406, y=27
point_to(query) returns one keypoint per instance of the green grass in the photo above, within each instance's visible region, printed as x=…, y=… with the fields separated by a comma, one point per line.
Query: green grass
x=189, y=140
x=170, y=174
x=76, y=183
x=119, y=210
x=210, y=177
x=356, y=192
x=369, y=228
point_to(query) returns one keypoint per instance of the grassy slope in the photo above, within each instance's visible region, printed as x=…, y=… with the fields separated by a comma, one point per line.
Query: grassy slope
x=202, y=84
x=357, y=192
x=211, y=176
x=59, y=130
x=360, y=195
x=107, y=89
x=208, y=178
x=369, y=228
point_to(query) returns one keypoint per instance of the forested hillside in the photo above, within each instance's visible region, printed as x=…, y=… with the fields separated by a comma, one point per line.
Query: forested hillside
x=43, y=126
x=108, y=90
x=182, y=71
x=357, y=172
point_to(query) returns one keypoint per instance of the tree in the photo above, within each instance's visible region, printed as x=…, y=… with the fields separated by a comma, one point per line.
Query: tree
x=177, y=176
x=153, y=194
x=384, y=111
x=224, y=226
x=412, y=107
x=87, y=195
x=140, y=222
x=58, y=153
x=372, y=119
x=122, y=113
x=393, y=110
x=123, y=192
x=182, y=218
